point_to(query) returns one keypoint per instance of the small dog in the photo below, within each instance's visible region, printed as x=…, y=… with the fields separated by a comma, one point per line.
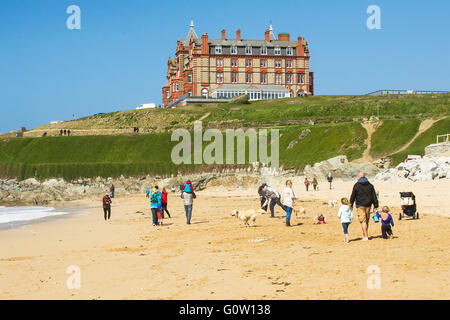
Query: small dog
x=299, y=210
x=332, y=203
x=246, y=217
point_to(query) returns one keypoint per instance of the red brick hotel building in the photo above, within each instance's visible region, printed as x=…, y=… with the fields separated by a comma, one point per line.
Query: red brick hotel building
x=223, y=68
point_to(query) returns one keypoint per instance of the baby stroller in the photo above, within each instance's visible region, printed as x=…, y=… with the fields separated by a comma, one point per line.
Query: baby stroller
x=408, y=205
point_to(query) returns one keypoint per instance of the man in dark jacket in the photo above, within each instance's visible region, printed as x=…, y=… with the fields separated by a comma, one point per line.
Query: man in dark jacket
x=364, y=196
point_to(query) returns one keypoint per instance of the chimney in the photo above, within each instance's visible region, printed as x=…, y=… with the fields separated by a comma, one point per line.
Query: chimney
x=283, y=37
x=205, y=45
x=299, y=50
x=223, y=34
x=238, y=35
x=267, y=35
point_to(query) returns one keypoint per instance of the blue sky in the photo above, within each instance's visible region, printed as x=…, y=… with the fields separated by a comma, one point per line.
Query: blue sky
x=118, y=59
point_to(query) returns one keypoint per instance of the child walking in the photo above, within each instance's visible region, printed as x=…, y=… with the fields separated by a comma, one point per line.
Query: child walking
x=386, y=222
x=289, y=198
x=346, y=216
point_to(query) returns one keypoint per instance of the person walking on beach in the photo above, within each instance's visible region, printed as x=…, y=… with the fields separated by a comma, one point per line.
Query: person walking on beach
x=346, y=216
x=111, y=191
x=164, y=202
x=315, y=184
x=188, y=195
x=364, y=196
x=274, y=197
x=107, y=206
x=330, y=178
x=306, y=183
x=262, y=197
x=386, y=222
x=289, y=198
x=155, y=204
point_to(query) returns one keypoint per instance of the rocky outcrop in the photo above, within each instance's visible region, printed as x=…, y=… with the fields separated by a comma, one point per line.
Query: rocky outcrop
x=417, y=168
x=438, y=149
x=341, y=168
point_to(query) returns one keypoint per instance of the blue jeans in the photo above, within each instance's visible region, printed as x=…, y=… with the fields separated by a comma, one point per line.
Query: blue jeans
x=188, y=210
x=288, y=214
x=155, y=215
x=273, y=202
x=345, y=227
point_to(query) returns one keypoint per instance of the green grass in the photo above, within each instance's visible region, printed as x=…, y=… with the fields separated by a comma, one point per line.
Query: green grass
x=393, y=134
x=267, y=112
x=426, y=138
x=112, y=156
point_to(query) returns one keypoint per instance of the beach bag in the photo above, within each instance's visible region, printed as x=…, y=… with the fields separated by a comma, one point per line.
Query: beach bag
x=154, y=197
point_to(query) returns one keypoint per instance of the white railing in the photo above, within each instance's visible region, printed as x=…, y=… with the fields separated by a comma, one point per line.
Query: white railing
x=445, y=136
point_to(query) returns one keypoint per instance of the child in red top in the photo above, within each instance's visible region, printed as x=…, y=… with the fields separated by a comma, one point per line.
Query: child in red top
x=164, y=202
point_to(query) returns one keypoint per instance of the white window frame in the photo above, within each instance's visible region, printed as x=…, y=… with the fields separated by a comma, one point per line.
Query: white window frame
x=248, y=63
x=176, y=87
x=248, y=51
x=235, y=80
x=219, y=77
x=289, y=51
x=263, y=63
x=264, y=50
x=219, y=62
x=204, y=92
x=277, y=51
x=277, y=78
x=218, y=49
x=278, y=63
x=233, y=50
x=247, y=74
x=289, y=63
x=289, y=76
x=301, y=78
x=167, y=94
x=189, y=78
x=263, y=78
x=234, y=64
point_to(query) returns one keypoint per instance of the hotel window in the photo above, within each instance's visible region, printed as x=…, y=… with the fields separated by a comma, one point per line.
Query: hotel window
x=249, y=77
x=204, y=92
x=233, y=50
x=176, y=87
x=278, y=78
x=263, y=77
x=263, y=63
x=248, y=63
x=219, y=63
x=288, y=78
x=277, y=63
x=288, y=63
x=219, y=77
x=234, y=62
x=218, y=49
x=167, y=94
x=277, y=51
x=289, y=51
x=301, y=78
x=189, y=93
x=189, y=78
x=263, y=50
x=248, y=50
x=233, y=77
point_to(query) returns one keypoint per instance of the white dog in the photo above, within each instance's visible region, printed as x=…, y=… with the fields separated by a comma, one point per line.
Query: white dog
x=248, y=217
x=299, y=210
x=332, y=203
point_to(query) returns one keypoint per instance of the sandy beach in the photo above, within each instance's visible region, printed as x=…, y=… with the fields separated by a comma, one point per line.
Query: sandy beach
x=216, y=257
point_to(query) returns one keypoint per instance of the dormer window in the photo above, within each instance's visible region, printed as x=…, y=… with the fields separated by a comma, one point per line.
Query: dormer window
x=289, y=51
x=263, y=50
x=218, y=50
x=233, y=50
x=248, y=50
x=277, y=51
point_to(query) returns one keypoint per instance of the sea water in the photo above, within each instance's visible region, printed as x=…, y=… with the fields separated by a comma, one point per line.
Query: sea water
x=19, y=216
